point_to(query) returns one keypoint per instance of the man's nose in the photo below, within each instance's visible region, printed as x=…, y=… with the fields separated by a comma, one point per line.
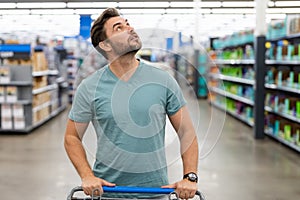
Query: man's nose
x=130, y=28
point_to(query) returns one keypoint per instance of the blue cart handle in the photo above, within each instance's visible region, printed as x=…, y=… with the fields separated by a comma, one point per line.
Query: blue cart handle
x=130, y=189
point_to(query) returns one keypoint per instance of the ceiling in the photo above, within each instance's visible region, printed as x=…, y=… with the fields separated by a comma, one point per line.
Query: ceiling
x=215, y=18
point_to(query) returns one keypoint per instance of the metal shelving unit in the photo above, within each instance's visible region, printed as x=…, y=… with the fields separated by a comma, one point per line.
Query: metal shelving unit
x=232, y=79
x=232, y=96
x=237, y=116
x=21, y=79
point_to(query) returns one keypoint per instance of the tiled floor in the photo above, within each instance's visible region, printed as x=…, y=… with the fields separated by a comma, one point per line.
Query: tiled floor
x=232, y=164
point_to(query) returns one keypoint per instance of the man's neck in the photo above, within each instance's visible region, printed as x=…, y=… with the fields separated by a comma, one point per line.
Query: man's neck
x=124, y=67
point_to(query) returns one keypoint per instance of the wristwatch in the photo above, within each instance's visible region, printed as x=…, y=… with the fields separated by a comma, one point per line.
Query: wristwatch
x=191, y=177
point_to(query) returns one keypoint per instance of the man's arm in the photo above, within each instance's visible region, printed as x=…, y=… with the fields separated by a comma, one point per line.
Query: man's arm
x=75, y=150
x=183, y=125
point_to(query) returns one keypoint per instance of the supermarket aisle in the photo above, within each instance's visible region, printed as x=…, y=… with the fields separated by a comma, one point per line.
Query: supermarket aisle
x=35, y=166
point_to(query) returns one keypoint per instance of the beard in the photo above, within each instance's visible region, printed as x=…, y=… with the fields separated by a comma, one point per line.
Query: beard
x=131, y=46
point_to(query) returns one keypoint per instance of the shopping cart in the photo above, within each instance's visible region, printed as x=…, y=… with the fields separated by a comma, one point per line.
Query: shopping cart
x=127, y=189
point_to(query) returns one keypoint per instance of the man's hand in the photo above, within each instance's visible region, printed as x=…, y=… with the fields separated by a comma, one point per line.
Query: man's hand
x=92, y=183
x=185, y=189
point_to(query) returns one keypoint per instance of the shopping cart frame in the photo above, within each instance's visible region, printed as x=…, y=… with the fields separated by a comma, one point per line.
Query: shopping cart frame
x=129, y=189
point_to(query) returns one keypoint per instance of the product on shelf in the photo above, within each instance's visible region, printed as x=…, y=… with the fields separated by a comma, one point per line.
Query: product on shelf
x=11, y=94
x=39, y=62
x=293, y=22
x=2, y=94
x=4, y=74
x=39, y=82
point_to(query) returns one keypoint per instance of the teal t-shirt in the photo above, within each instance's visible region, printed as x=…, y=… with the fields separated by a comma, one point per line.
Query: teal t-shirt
x=129, y=119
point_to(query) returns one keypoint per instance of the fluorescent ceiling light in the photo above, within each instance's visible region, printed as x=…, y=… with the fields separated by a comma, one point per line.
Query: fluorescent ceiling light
x=8, y=5
x=233, y=11
x=283, y=10
x=143, y=4
x=89, y=11
x=238, y=4
x=287, y=3
x=142, y=11
x=187, y=11
x=92, y=4
x=271, y=4
x=177, y=4
x=42, y=5
x=53, y=12
x=14, y=12
x=210, y=4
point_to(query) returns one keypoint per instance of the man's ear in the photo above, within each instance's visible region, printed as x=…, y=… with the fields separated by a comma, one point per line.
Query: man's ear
x=105, y=46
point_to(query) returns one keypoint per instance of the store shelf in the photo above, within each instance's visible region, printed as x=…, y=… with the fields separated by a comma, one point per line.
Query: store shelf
x=60, y=80
x=232, y=79
x=282, y=62
x=288, y=37
x=17, y=83
x=287, y=116
x=45, y=89
x=232, y=96
x=40, y=107
x=53, y=114
x=232, y=114
x=234, y=62
x=45, y=73
x=291, y=145
x=282, y=88
x=23, y=102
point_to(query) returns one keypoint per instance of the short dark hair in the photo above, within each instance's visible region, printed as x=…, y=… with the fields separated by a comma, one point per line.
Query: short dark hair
x=98, y=31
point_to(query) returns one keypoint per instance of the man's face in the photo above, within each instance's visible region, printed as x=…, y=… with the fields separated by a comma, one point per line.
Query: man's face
x=121, y=36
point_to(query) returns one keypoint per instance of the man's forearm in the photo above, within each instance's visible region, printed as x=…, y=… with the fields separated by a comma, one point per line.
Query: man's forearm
x=189, y=152
x=77, y=155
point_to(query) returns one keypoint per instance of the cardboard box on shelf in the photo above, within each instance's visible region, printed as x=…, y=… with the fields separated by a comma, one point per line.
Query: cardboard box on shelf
x=4, y=74
x=18, y=110
x=11, y=94
x=14, y=62
x=39, y=62
x=19, y=123
x=2, y=94
x=6, y=110
x=6, y=123
x=39, y=82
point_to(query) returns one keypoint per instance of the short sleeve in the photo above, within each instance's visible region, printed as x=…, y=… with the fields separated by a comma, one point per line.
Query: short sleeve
x=81, y=107
x=175, y=98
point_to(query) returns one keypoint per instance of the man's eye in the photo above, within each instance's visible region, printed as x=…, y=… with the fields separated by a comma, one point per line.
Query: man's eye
x=118, y=29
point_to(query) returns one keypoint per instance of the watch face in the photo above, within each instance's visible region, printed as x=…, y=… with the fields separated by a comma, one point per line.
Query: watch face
x=192, y=177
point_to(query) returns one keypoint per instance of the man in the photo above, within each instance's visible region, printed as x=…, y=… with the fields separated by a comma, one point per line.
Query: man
x=128, y=101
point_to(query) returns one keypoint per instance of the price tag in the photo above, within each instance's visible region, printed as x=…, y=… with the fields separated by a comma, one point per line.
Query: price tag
x=7, y=54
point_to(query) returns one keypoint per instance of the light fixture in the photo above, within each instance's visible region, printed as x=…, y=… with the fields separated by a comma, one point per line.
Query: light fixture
x=142, y=11
x=211, y=4
x=91, y=4
x=8, y=5
x=160, y=4
x=42, y=5
x=88, y=11
x=283, y=10
x=186, y=11
x=238, y=4
x=233, y=11
x=287, y=4
x=271, y=4
x=52, y=11
x=14, y=12
x=179, y=4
